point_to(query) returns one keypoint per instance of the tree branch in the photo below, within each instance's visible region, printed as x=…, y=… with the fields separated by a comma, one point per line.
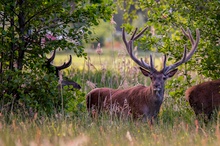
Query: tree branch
x=40, y=12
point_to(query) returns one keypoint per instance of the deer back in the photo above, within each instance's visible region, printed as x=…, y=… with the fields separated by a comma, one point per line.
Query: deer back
x=95, y=98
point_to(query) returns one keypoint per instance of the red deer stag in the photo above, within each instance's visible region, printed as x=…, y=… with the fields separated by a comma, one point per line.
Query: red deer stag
x=56, y=69
x=143, y=102
x=204, y=98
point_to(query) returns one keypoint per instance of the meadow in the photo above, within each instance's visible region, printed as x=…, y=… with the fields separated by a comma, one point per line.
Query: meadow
x=176, y=126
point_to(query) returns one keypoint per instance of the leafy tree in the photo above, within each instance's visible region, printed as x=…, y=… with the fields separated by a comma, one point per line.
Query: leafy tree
x=31, y=29
x=166, y=17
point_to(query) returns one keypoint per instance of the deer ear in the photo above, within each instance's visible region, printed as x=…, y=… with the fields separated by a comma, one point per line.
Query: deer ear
x=145, y=72
x=171, y=73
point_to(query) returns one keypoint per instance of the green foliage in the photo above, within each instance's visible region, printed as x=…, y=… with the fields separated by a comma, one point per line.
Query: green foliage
x=175, y=105
x=28, y=34
x=101, y=34
x=28, y=92
x=75, y=102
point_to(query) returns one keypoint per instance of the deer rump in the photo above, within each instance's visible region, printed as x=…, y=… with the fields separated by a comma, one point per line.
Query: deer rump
x=96, y=99
x=124, y=102
x=204, y=98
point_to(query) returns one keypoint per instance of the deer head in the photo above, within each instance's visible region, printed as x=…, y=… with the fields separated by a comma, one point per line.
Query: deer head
x=159, y=77
x=57, y=69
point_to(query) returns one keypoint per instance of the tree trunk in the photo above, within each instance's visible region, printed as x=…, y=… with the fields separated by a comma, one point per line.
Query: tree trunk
x=21, y=47
x=12, y=51
x=2, y=54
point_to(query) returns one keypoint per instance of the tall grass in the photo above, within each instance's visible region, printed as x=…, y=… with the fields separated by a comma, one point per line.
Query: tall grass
x=103, y=131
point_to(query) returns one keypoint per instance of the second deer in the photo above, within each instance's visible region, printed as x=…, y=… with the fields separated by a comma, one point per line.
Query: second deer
x=139, y=101
x=56, y=70
x=204, y=98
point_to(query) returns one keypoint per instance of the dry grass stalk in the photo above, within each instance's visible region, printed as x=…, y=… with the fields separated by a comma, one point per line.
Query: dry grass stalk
x=104, y=71
x=78, y=141
x=91, y=84
x=217, y=131
x=124, y=84
x=197, y=126
x=115, y=110
x=98, y=49
x=130, y=139
x=1, y=142
x=90, y=66
x=112, y=20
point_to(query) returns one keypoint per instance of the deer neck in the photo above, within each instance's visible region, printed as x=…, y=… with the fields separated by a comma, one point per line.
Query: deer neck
x=160, y=95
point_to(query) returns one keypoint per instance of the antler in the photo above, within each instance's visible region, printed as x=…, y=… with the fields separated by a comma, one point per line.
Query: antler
x=52, y=57
x=65, y=64
x=58, y=68
x=129, y=47
x=185, y=57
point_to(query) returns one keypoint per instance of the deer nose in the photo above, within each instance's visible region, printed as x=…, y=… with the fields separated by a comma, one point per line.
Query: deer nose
x=157, y=87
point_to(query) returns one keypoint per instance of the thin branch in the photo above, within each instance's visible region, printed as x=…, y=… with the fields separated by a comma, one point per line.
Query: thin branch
x=10, y=7
x=40, y=12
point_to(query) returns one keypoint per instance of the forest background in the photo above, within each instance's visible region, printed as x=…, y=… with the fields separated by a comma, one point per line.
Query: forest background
x=90, y=31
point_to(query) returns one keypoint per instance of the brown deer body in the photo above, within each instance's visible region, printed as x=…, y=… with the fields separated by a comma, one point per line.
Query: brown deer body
x=96, y=98
x=139, y=101
x=143, y=102
x=204, y=98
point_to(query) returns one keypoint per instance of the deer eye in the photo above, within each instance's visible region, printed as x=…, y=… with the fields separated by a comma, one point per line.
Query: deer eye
x=164, y=78
x=151, y=76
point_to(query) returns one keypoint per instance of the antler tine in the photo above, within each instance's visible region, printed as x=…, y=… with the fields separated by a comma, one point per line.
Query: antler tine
x=124, y=39
x=186, y=56
x=52, y=57
x=171, y=67
x=140, y=33
x=189, y=35
x=195, y=45
x=129, y=47
x=65, y=65
x=133, y=35
x=164, y=61
x=151, y=62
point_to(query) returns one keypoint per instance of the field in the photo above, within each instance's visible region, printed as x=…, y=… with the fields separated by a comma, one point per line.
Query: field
x=176, y=126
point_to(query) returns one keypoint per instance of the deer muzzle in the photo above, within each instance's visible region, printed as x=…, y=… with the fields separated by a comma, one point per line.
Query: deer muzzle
x=157, y=87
